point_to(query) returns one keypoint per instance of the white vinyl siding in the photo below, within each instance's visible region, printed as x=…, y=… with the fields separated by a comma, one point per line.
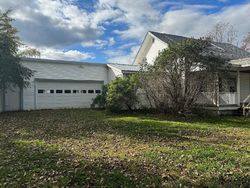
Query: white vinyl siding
x=64, y=71
x=147, y=43
x=114, y=73
x=63, y=76
x=156, y=47
x=244, y=85
x=12, y=100
x=29, y=97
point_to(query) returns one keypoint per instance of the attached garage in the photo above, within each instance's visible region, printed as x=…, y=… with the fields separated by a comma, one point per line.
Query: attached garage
x=66, y=94
x=63, y=84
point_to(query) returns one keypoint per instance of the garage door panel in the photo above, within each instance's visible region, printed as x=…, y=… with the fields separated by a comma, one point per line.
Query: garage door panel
x=66, y=100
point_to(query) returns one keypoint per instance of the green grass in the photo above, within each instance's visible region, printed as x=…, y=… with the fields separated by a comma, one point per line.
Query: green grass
x=87, y=148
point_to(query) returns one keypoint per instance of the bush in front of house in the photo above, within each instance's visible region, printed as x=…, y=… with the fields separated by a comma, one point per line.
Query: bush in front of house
x=100, y=100
x=118, y=95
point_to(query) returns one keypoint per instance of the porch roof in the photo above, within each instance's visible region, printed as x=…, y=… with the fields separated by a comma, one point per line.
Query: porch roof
x=241, y=64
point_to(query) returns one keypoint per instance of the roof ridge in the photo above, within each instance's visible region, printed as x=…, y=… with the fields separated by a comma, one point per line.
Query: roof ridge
x=189, y=37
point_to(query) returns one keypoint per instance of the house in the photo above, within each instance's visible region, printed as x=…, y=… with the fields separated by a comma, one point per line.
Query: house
x=69, y=84
x=232, y=97
x=62, y=84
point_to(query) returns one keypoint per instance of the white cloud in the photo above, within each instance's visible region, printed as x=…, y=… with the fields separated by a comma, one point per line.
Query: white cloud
x=58, y=24
x=103, y=13
x=181, y=5
x=182, y=19
x=54, y=23
x=72, y=55
x=127, y=45
x=100, y=43
x=122, y=57
x=138, y=15
x=192, y=21
x=189, y=22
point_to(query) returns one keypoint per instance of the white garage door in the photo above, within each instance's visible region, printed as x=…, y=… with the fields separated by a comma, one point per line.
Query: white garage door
x=52, y=95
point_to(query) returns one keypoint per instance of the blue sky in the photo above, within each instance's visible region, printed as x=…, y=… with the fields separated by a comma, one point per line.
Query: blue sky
x=111, y=31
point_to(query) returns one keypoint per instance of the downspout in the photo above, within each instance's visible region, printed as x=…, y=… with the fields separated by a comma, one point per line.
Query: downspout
x=1, y=94
x=3, y=98
x=21, y=98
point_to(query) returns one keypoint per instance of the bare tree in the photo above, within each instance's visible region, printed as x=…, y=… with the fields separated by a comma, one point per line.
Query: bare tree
x=180, y=72
x=223, y=32
x=246, y=43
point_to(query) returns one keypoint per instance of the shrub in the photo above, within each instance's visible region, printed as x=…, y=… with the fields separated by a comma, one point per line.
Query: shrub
x=121, y=94
x=100, y=100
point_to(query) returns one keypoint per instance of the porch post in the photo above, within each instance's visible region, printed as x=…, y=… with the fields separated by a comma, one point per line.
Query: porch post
x=217, y=90
x=238, y=87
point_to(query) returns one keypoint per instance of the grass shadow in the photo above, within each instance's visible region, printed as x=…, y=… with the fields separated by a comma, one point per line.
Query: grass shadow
x=29, y=158
x=35, y=163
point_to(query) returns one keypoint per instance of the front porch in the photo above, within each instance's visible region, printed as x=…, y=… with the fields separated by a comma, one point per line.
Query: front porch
x=223, y=99
x=232, y=96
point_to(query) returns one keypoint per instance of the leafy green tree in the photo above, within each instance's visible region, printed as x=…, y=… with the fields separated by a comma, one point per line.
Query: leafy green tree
x=12, y=73
x=122, y=93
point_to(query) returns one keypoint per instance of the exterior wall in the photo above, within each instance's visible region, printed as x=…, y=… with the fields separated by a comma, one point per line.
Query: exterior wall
x=156, y=47
x=150, y=49
x=244, y=85
x=1, y=102
x=113, y=73
x=141, y=55
x=63, y=71
x=12, y=100
x=29, y=96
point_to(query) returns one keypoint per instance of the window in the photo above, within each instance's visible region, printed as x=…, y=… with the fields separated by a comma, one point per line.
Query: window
x=59, y=91
x=49, y=91
x=90, y=91
x=228, y=85
x=83, y=91
x=40, y=91
x=98, y=91
x=75, y=91
x=67, y=91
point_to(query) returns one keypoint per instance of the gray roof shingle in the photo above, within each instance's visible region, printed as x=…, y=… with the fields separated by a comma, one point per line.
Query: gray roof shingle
x=224, y=50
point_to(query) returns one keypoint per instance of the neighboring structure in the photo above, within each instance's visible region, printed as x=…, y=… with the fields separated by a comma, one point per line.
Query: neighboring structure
x=62, y=84
x=234, y=96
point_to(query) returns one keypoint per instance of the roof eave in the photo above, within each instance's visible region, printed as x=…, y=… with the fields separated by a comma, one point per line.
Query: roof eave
x=28, y=59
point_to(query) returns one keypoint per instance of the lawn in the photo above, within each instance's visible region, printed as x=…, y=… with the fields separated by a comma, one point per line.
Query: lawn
x=86, y=148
